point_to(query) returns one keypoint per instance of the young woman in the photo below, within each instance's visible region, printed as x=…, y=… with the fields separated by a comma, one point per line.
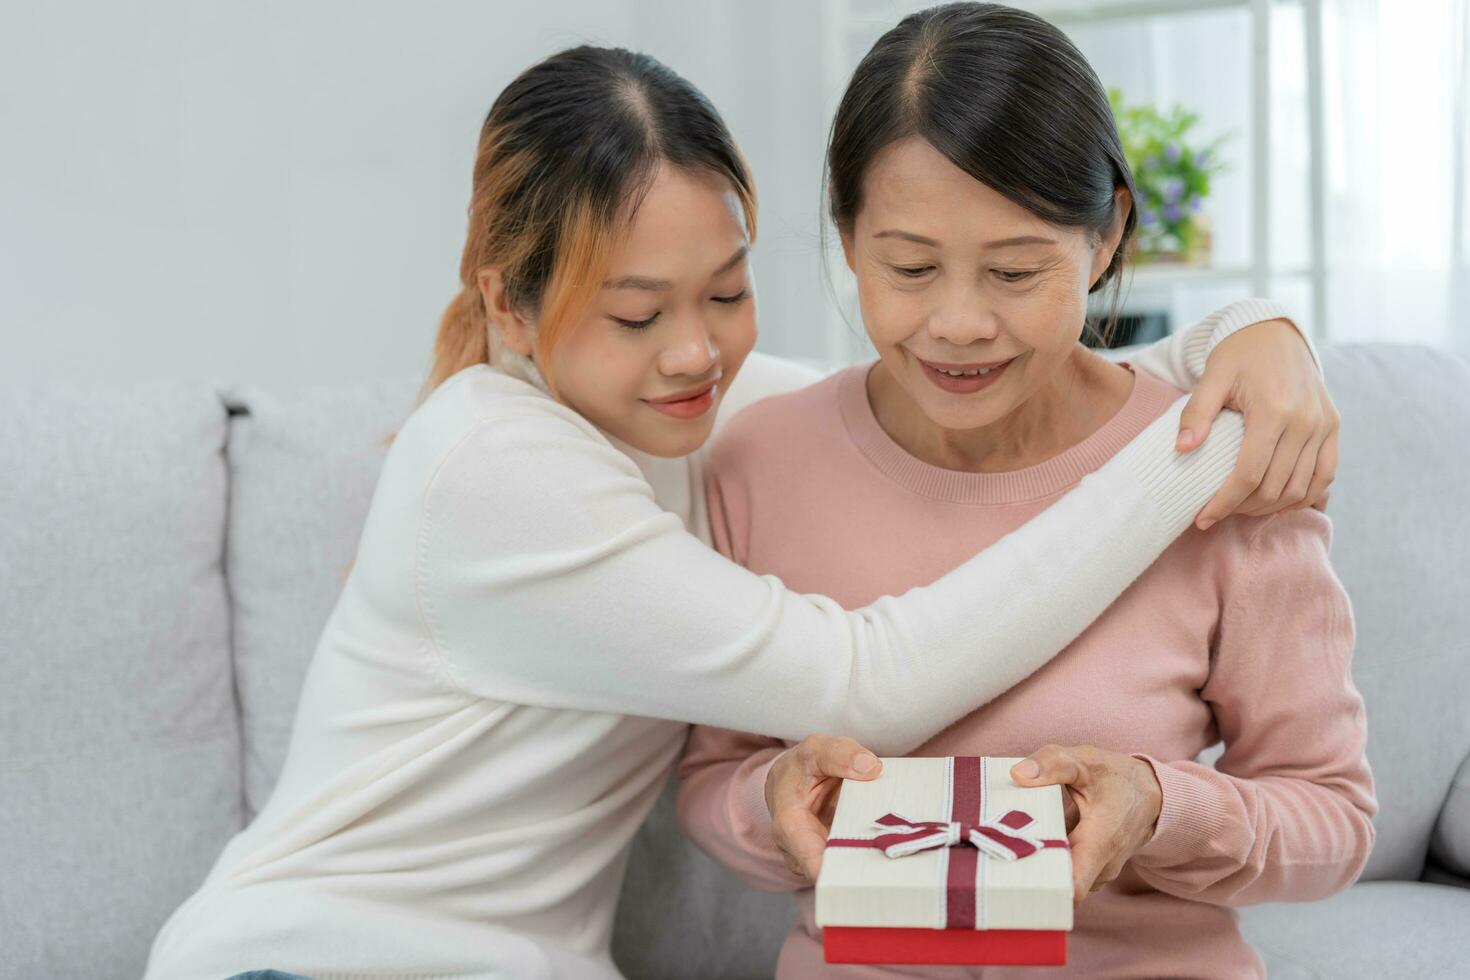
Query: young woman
x=534, y=615
x=972, y=255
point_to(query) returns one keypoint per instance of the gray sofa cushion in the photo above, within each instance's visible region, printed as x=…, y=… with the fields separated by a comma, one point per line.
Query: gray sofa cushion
x=1400, y=536
x=119, y=740
x=682, y=915
x=1450, y=844
x=303, y=466
x=1374, y=929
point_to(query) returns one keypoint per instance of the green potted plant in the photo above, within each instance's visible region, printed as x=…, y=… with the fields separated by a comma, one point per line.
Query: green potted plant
x=1172, y=175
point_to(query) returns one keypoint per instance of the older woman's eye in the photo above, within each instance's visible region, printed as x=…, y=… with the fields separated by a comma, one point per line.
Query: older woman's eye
x=913, y=271
x=1013, y=276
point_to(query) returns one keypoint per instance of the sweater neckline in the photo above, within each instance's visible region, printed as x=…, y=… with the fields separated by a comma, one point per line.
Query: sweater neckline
x=1145, y=402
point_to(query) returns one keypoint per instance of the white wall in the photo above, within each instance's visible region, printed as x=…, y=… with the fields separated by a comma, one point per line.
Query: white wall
x=275, y=192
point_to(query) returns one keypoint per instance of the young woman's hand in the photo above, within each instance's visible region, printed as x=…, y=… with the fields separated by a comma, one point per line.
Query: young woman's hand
x=1117, y=800
x=802, y=787
x=1289, y=457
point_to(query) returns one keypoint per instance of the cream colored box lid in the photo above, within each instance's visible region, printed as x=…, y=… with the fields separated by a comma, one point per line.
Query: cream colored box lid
x=953, y=883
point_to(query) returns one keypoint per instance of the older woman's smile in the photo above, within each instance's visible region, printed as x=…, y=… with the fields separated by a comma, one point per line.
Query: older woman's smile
x=963, y=379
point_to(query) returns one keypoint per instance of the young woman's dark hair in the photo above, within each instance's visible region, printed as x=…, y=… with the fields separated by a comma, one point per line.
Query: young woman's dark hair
x=565, y=155
x=1007, y=98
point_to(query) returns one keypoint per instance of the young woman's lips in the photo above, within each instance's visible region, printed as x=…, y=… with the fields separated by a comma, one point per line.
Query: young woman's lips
x=689, y=404
x=975, y=377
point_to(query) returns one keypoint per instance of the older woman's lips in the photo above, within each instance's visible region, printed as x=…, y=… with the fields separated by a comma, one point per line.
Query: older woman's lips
x=964, y=379
x=687, y=404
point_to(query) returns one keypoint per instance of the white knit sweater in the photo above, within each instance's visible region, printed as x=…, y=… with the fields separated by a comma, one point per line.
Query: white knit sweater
x=532, y=618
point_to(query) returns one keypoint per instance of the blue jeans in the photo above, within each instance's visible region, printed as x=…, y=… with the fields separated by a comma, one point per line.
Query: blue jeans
x=268, y=975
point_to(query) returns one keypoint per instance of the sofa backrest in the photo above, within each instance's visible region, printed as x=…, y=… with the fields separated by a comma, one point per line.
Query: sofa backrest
x=121, y=772
x=303, y=465
x=119, y=737
x=1401, y=546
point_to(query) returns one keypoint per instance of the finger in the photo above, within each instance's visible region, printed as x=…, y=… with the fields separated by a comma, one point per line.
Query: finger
x=1088, y=856
x=1294, y=497
x=803, y=837
x=1113, y=870
x=1200, y=411
x=1071, y=813
x=1250, y=468
x=846, y=758
x=1049, y=765
x=1325, y=474
x=1109, y=872
x=1267, y=497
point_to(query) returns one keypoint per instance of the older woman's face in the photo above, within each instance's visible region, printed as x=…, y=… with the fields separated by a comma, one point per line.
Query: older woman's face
x=972, y=301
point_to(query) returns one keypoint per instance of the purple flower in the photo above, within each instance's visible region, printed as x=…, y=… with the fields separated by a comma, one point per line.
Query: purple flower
x=1172, y=212
x=1171, y=152
x=1195, y=201
x=1172, y=189
x=1146, y=217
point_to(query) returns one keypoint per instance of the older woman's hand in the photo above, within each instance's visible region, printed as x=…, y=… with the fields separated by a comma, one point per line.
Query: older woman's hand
x=1117, y=800
x=802, y=787
x=1289, y=457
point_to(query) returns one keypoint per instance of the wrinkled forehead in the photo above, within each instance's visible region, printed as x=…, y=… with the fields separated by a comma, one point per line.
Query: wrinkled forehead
x=912, y=187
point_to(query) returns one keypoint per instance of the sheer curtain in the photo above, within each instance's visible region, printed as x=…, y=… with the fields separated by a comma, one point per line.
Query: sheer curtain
x=1396, y=100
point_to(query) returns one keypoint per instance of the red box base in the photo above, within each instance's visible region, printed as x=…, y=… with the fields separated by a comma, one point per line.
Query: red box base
x=947, y=947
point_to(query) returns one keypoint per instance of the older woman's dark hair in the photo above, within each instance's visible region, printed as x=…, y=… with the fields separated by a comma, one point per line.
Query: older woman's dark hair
x=1007, y=98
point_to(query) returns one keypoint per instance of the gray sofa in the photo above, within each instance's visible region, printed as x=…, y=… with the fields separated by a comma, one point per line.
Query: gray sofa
x=168, y=557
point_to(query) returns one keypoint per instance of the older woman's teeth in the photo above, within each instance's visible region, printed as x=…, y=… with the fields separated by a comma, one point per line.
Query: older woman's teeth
x=965, y=374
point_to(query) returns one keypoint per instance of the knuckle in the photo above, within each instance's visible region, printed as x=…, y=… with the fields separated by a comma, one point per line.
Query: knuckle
x=1047, y=752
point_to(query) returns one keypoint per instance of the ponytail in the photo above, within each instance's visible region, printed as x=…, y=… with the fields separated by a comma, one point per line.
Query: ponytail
x=463, y=339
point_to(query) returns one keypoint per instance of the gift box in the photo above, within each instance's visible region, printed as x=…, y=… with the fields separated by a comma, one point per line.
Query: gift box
x=946, y=861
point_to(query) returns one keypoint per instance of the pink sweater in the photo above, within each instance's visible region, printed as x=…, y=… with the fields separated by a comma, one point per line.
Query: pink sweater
x=1241, y=634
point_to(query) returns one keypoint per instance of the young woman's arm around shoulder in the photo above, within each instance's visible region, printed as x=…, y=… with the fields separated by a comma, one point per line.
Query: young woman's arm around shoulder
x=548, y=575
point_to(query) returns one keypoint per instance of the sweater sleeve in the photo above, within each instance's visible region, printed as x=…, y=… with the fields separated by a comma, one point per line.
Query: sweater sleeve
x=1179, y=358
x=722, y=773
x=546, y=574
x=722, y=804
x=1286, y=813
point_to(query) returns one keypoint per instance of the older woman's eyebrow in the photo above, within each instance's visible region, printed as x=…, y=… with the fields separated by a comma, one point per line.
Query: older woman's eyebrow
x=664, y=285
x=909, y=236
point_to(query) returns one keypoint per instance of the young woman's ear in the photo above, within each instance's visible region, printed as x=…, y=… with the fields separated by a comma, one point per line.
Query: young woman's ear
x=514, y=332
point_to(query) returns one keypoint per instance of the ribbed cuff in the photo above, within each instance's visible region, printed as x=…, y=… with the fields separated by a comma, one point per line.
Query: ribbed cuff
x=1180, y=484
x=1190, y=818
x=1232, y=319
x=749, y=800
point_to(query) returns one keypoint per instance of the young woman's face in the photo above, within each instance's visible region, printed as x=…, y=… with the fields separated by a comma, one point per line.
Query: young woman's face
x=673, y=322
x=971, y=301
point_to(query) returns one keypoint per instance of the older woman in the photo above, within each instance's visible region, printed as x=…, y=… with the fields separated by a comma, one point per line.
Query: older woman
x=981, y=194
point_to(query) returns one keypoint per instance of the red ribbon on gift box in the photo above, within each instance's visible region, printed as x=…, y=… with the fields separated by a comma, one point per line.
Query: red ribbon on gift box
x=967, y=832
